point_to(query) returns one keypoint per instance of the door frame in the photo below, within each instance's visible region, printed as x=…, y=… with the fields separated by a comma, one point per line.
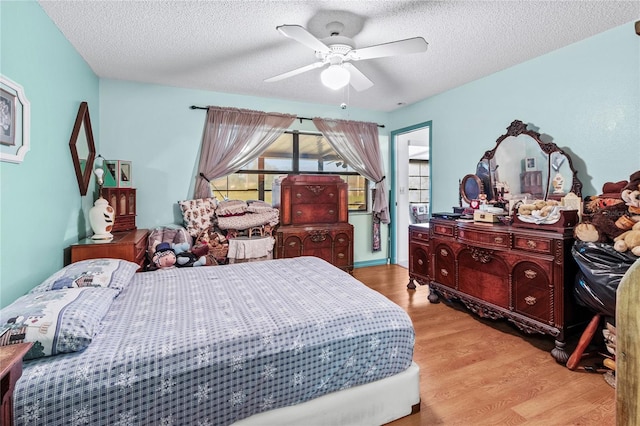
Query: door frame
x=393, y=212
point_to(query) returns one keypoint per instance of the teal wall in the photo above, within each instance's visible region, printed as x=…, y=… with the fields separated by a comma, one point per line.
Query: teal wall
x=154, y=128
x=584, y=97
x=41, y=210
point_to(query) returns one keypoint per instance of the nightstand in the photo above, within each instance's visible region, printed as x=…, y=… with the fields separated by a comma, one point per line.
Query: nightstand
x=127, y=245
x=10, y=371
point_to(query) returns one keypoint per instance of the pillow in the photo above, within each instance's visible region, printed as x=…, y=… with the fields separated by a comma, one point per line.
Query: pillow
x=59, y=321
x=197, y=214
x=112, y=273
x=259, y=207
x=231, y=208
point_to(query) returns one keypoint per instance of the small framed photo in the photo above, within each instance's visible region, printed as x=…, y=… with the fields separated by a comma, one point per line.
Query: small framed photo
x=7, y=118
x=530, y=164
x=117, y=174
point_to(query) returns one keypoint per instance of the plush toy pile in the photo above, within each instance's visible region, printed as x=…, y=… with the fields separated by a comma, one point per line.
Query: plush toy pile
x=614, y=216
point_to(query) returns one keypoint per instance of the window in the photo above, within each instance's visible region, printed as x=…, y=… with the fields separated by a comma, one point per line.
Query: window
x=291, y=153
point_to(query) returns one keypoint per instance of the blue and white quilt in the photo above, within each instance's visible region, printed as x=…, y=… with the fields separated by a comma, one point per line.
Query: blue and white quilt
x=214, y=345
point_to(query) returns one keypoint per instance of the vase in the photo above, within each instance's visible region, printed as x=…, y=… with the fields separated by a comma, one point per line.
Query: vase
x=101, y=218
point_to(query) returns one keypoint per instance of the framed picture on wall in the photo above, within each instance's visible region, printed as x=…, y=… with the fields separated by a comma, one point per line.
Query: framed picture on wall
x=14, y=121
x=530, y=164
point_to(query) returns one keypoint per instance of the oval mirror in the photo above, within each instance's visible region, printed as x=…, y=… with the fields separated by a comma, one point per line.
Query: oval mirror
x=82, y=147
x=470, y=188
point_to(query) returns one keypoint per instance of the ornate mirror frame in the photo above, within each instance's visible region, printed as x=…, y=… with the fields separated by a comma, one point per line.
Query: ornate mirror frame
x=81, y=143
x=548, y=149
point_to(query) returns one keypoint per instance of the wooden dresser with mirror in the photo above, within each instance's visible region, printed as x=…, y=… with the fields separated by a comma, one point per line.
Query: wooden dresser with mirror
x=523, y=274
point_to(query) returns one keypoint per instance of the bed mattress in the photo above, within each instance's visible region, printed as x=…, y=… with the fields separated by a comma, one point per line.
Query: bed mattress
x=214, y=345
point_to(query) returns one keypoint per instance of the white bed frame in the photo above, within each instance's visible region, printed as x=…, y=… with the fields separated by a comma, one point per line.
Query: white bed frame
x=375, y=403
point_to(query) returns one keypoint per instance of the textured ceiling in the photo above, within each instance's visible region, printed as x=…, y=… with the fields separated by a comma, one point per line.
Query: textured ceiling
x=232, y=46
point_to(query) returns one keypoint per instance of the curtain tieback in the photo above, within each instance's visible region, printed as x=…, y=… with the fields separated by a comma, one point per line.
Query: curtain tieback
x=208, y=180
x=381, y=179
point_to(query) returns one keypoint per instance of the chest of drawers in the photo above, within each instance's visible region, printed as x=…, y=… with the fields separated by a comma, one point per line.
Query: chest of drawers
x=522, y=275
x=314, y=217
x=126, y=245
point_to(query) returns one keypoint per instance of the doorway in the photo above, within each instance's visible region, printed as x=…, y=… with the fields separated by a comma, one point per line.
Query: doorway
x=410, y=190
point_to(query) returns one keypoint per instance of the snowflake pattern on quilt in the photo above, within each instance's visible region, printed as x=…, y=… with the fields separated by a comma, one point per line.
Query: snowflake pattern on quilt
x=213, y=345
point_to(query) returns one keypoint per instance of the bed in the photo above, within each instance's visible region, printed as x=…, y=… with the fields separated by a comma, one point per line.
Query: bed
x=286, y=341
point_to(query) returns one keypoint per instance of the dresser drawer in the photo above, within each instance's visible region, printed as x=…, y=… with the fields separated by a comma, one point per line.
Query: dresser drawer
x=314, y=213
x=445, y=229
x=532, y=292
x=419, y=235
x=342, y=240
x=314, y=194
x=483, y=238
x=538, y=245
x=444, y=266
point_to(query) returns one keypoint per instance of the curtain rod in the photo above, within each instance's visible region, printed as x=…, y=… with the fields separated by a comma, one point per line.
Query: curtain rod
x=299, y=118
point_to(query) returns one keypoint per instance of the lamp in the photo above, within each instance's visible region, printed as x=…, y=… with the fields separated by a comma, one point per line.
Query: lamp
x=335, y=77
x=101, y=215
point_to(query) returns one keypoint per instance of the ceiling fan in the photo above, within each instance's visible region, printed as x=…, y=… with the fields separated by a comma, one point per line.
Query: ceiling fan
x=338, y=52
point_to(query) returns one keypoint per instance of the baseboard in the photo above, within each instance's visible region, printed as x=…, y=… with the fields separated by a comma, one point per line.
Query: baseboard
x=366, y=263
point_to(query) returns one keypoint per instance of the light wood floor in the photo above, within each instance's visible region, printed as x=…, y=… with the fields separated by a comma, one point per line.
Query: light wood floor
x=483, y=372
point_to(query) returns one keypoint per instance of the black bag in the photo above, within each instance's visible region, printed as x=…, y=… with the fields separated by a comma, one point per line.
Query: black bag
x=601, y=269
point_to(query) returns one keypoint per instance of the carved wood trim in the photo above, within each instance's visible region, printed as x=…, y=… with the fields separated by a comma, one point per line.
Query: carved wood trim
x=316, y=189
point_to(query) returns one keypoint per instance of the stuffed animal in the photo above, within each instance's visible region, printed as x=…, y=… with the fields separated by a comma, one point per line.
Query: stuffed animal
x=628, y=240
x=613, y=215
x=185, y=258
x=164, y=256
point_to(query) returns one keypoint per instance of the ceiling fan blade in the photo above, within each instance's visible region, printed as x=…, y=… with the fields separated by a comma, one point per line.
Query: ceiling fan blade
x=358, y=80
x=301, y=35
x=394, y=48
x=294, y=72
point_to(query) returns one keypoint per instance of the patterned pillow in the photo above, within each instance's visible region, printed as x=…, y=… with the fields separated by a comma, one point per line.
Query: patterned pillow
x=231, y=208
x=197, y=214
x=112, y=273
x=259, y=207
x=57, y=321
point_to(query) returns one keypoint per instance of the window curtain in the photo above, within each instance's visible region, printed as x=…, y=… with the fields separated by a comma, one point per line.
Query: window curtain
x=357, y=143
x=233, y=137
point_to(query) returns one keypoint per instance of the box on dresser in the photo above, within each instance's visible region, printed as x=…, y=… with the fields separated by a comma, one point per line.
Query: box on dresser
x=314, y=216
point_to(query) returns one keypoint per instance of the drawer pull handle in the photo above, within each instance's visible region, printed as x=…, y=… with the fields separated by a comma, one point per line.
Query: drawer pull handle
x=341, y=255
x=298, y=195
x=332, y=212
x=299, y=213
x=292, y=244
x=341, y=240
x=498, y=240
x=331, y=194
x=444, y=253
x=530, y=274
x=419, y=235
x=444, y=272
x=420, y=262
x=530, y=300
x=531, y=244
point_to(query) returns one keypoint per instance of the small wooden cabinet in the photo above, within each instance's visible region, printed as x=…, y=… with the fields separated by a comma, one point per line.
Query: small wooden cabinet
x=523, y=275
x=314, y=217
x=10, y=371
x=127, y=245
x=123, y=202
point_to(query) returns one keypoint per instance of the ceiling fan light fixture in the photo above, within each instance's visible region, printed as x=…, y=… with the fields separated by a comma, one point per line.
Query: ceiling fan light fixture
x=335, y=77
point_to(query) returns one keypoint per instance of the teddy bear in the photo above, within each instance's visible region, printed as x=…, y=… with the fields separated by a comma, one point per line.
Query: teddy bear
x=611, y=215
x=628, y=240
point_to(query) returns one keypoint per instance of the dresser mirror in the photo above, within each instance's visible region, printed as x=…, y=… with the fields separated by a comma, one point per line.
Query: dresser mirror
x=522, y=165
x=82, y=147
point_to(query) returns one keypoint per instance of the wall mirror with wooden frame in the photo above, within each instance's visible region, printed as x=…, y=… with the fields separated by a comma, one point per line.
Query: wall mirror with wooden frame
x=521, y=164
x=82, y=147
